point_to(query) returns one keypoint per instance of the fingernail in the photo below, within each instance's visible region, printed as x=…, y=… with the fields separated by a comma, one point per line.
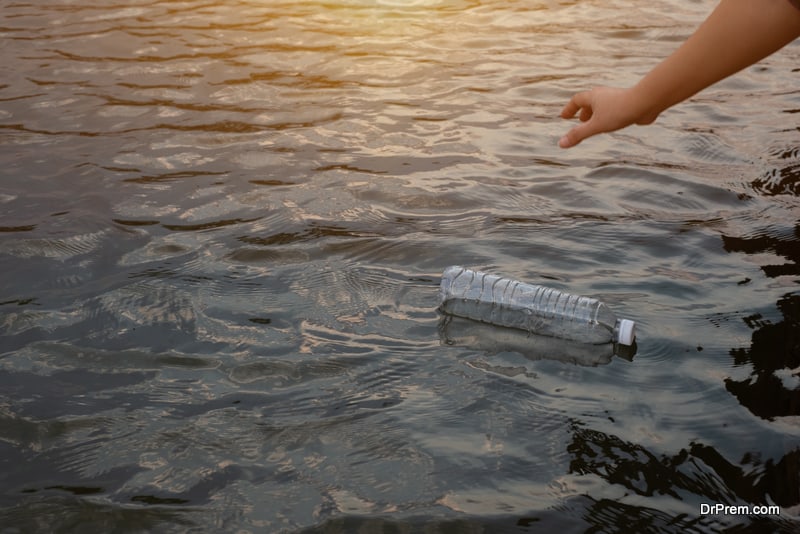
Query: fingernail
x=563, y=142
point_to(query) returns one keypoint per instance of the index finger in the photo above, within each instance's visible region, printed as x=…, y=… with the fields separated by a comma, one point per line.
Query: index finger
x=577, y=102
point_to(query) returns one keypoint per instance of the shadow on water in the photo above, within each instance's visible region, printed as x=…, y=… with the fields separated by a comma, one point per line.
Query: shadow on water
x=774, y=354
x=775, y=347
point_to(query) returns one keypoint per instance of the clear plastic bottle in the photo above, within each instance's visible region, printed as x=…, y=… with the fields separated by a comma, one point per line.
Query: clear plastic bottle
x=540, y=310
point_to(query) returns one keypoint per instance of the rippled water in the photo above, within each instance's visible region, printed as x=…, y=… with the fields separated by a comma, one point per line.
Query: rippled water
x=222, y=226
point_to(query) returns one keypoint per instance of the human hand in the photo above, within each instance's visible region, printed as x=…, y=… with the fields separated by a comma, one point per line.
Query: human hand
x=603, y=109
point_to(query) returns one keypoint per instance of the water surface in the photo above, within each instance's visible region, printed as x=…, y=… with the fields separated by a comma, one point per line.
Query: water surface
x=222, y=226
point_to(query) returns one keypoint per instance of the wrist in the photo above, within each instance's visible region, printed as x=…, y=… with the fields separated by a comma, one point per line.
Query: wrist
x=645, y=105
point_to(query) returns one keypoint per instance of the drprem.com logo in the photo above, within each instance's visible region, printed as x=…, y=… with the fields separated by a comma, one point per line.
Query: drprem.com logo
x=743, y=509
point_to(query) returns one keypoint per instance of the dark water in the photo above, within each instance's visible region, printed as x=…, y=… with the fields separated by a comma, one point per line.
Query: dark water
x=222, y=226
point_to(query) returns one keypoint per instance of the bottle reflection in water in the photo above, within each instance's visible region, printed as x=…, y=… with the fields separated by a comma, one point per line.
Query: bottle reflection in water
x=459, y=332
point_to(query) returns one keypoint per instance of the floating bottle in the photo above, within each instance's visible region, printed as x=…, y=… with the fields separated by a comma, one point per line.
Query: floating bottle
x=493, y=299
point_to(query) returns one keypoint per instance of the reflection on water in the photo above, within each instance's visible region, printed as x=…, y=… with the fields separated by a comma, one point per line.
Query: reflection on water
x=221, y=231
x=493, y=340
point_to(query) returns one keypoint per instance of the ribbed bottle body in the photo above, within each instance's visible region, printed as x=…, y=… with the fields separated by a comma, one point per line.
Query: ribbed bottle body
x=540, y=310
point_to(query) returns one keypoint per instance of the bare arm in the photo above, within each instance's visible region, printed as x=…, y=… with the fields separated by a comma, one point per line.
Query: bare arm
x=737, y=34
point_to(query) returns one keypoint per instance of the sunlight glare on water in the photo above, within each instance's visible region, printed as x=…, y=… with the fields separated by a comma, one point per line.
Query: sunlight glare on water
x=222, y=230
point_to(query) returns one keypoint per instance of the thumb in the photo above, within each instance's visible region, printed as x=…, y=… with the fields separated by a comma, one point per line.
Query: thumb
x=576, y=135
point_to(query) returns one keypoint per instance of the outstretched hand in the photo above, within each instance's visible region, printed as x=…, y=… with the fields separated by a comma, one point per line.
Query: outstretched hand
x=603, y=109
x=747, y=31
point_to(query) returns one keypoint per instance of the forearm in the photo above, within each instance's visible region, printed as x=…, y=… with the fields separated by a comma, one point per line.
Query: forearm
x=737, y=34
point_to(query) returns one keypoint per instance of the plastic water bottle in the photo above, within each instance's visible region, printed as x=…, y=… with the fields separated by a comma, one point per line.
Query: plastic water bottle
x=539, y=310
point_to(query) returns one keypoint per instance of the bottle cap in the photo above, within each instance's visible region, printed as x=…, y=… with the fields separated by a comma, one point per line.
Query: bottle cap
x=626, y=332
